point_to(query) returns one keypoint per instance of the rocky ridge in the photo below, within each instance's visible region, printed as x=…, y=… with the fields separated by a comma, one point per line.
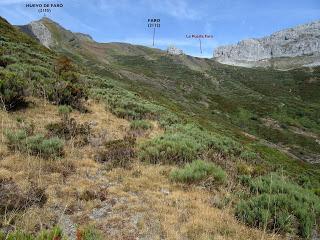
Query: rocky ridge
x=300, y=41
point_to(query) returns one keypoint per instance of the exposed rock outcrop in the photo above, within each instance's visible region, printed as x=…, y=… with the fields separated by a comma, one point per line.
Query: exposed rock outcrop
x=39, y=31
x=300, y=41
x=174, y=50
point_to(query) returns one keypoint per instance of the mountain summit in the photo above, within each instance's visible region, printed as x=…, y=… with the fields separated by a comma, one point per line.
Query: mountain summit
x=298, y=46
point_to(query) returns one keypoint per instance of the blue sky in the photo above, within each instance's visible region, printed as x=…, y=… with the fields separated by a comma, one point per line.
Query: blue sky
x=229, y=21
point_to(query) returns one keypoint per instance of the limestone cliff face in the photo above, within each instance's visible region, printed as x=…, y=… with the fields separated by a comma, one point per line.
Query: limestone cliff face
x=300, y=41
x=38, y=30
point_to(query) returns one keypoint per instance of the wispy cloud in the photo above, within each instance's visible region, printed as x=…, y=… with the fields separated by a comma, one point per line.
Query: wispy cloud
x=11, y=2
x=175, y=8
x=179, y=9
x=163, y=42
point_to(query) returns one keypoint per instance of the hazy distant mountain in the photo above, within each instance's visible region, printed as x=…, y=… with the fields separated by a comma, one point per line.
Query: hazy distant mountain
x=293, y=47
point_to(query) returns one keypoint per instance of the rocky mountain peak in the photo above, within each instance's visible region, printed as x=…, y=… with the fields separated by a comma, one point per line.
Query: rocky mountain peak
x=302, y=41
x=40, y=31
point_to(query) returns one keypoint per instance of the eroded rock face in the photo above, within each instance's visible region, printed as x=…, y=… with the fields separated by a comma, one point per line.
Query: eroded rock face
x=42, y=33
x=299, y=41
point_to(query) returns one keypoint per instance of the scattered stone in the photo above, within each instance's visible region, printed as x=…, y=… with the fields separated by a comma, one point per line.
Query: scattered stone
x=165, y=191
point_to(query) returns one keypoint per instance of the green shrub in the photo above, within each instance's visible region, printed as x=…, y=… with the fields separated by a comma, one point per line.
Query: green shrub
x=46, y=148
x=249, y=155
x=35, y=145
x=15, y=140
x=12, y=90
x=168, y=119
x=125, y=104
x=184, y=143
x=64, y=110
x=140, y=125
x=197, y=171
x=53, y=234
x=6, y=60
x=279, y=205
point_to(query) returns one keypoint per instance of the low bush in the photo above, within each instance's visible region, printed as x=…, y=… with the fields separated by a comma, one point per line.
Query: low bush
x=12, y=198
x=35, y=144
x=197, y=171
x=6, y=60
x=66, y=93
x=68, y=128
x=184, y=143
x=140, y=125
x=279, y=205
x=117, y=153
x=12, y=90
x=53, y=234
x=89, y=233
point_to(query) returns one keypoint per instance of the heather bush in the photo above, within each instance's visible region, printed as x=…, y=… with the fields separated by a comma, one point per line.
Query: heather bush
x=117, y=153
x=12, y=198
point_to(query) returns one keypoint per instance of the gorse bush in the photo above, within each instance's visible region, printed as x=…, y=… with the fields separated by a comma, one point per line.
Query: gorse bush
x=184, y=143
x=197, y=171
x=35, y=144
x=279, y=205
x=12, y=90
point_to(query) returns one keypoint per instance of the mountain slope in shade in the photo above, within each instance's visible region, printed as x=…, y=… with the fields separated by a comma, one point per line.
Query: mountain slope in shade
x=293, y=47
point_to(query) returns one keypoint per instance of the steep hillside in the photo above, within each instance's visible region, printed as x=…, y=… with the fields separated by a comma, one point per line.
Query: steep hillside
x=290, y=48
x=133, y=143
x=280, y=107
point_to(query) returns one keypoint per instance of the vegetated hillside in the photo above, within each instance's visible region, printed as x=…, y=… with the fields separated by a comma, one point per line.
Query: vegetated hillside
x=84, y=156
x=281, y=107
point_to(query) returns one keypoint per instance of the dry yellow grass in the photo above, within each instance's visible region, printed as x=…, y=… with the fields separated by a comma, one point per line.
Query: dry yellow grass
x=122, y=203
